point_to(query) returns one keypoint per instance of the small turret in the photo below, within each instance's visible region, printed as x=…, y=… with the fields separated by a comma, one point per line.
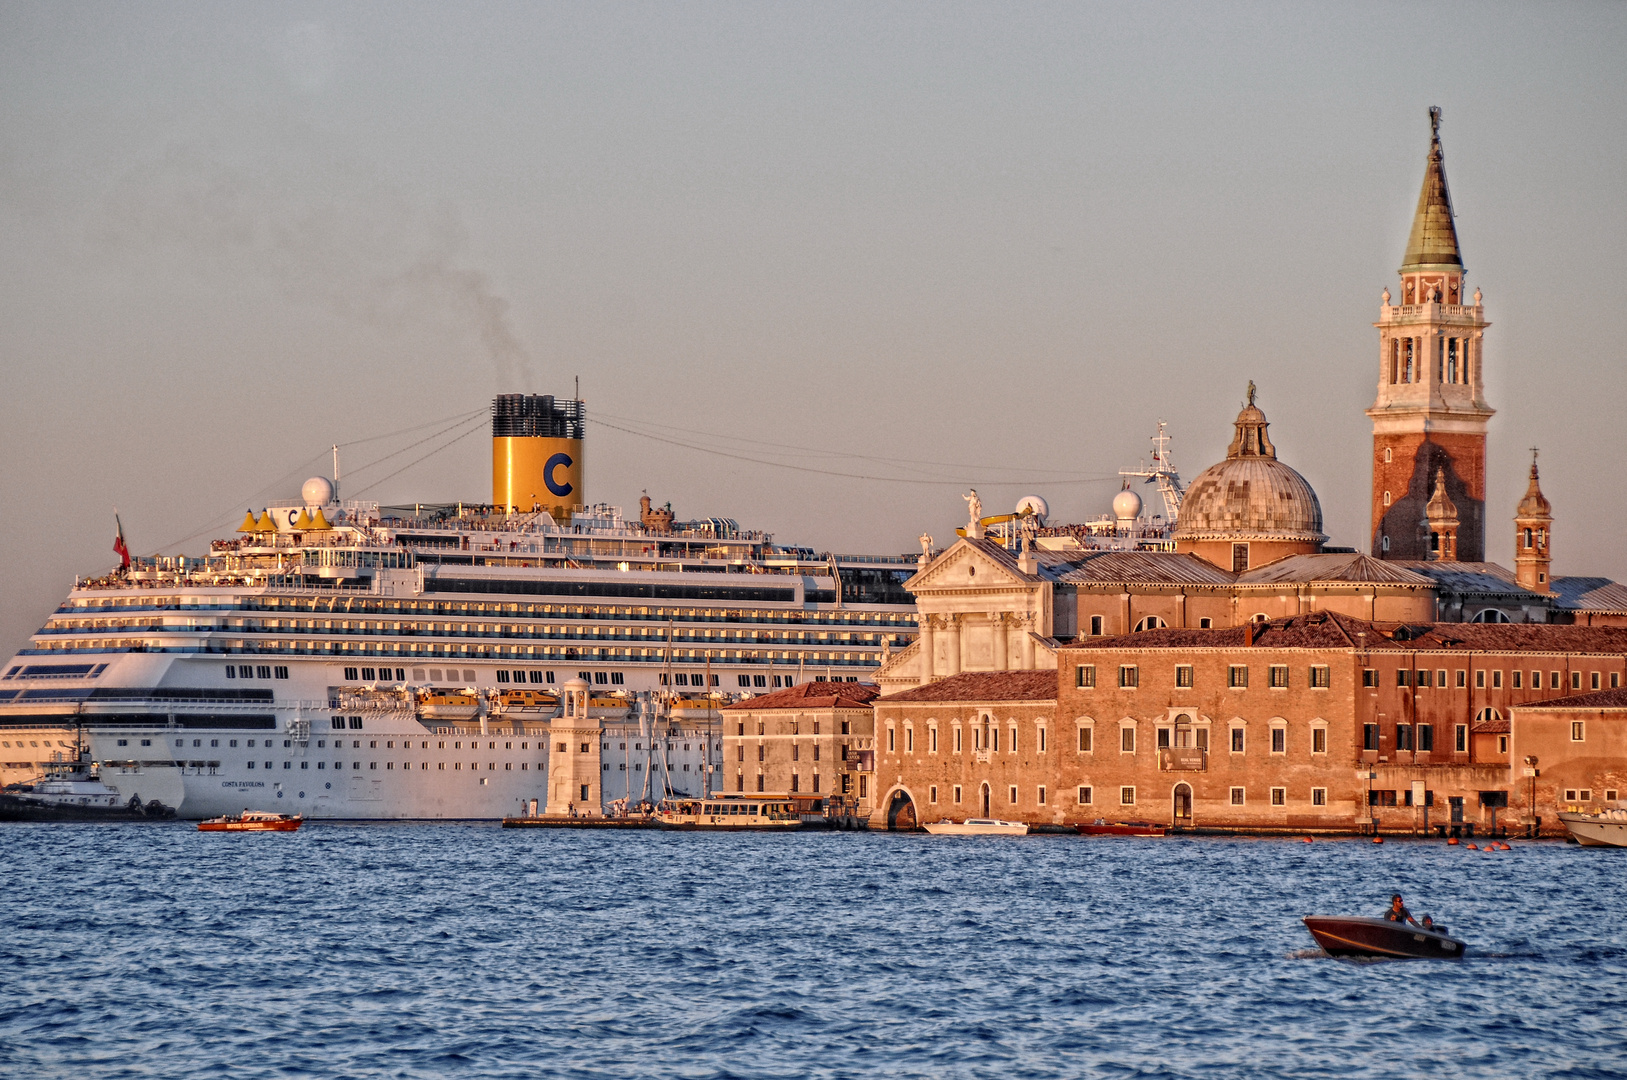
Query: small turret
x=1533, y=533
x=1441, y=519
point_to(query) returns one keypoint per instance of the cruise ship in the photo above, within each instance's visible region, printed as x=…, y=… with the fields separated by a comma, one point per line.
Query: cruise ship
x=344, y=659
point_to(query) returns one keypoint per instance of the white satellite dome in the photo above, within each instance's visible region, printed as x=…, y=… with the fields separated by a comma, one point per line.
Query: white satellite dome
x=1127, y=505
x=1033, y=504
x=317, y=491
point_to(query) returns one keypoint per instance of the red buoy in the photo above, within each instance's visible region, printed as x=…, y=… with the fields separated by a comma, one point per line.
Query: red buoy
x=1474, y=847
x=1378, y=839
x=1452, y=842
x=1307, y=839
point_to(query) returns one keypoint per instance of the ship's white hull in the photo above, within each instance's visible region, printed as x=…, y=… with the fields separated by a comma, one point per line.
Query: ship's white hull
x=1597, y=830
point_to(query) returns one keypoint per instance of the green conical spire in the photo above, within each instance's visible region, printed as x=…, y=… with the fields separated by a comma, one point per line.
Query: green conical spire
x=1434, y=242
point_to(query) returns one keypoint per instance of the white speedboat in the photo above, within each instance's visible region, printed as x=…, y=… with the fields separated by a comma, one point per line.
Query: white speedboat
x=977, y=827
x=1605, y=827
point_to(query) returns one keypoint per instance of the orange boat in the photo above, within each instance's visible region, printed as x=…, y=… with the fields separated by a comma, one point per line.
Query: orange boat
x=251, y=821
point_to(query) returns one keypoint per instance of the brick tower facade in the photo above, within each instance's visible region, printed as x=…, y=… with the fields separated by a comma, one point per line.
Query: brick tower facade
x=1430, y=416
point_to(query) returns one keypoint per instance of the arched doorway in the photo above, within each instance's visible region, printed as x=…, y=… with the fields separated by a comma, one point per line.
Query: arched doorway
x=986, y=801
x=901, y=813
x=1182, y=805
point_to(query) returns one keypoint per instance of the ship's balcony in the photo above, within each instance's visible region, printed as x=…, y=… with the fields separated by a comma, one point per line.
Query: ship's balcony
x=1465, y=314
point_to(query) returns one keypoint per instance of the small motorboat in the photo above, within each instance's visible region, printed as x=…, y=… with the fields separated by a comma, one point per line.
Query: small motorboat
x=1100, y=827
x=252, y=821
x=977, y=827
x=1603, y=827
x=1355, y=935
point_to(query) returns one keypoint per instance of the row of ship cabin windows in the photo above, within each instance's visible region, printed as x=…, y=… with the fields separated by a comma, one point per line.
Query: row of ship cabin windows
x=1318, y=676
x=256, y=671
x=1181, y=733
x=1237, y=796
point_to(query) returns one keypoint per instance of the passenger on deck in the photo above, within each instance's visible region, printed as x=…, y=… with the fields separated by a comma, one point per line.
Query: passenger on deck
x=1398, y=911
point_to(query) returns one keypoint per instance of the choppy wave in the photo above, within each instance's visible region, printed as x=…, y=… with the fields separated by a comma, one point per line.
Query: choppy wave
x=452, y=950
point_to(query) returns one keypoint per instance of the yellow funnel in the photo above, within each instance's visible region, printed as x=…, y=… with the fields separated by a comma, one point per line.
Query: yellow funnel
x=250, y=523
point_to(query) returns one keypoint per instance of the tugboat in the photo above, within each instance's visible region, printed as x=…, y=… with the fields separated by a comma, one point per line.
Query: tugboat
x=977, y=827
x=252, y=821
x=71, y=791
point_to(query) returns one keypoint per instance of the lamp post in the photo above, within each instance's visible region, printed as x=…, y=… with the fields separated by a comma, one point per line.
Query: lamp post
x=1532, y=773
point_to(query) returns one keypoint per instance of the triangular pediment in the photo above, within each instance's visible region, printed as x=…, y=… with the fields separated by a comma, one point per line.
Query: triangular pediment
x=966, y=565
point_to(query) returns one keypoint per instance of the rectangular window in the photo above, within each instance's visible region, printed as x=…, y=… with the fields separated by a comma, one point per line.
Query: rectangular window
x=1237, y=676
x=932, y=794
x=1163, y=738
x=1237, y=796
x=892, y=740
x=1085, y=795
x=1129, y=676
x=1084, y=740
x=1041, y=795
x=1403, y=736
x=1401, y=677
x=1319, y=740
x=1127, y=796
x=1578, y=731
x=1423, y=678
x=1615, y=680
x=1319, y=796
x=1517, y=679
x=1462, y=679
x=1320, y=677
x=1369, y=736
x=1279, y=676
x=1479, y=680
x=1012, y=795
x=231, y=671
x=1460, y=739
x=1183, y=675
x=1095, y=626
x=1279, y=740
x=1039, y=738
x=1369, y=677
x=1239, y=558
x=1497, y=680
x=957, y=739
x=1536, y=680
x=1202, y=735
x=909, y=740
x=1127, y=740
x=1426, y=738
x=1085, y=676
x=1595, y=683
x=932, y=741
x=1279, y=796
x=350, y=674
x=957, y=794
x=1237, y=740
x=281, y=672
x=1553, y=680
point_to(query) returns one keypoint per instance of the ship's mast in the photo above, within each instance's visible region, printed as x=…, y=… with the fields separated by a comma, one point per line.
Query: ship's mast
x=1163, y=472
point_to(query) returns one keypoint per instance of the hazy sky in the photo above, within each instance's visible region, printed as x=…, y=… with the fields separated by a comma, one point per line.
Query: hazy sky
x=1004, y=238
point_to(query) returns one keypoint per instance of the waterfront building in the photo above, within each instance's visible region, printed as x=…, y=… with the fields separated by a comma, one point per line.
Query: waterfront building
x=1318, y=722
x=1569, y=753
x=813, y=743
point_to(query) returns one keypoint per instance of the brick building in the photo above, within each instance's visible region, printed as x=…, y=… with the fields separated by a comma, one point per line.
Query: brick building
x=807, y=741
x=1318, y=722
x=1569, y=753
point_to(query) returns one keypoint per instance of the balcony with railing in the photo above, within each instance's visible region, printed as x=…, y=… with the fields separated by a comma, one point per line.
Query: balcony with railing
x=1455, y=313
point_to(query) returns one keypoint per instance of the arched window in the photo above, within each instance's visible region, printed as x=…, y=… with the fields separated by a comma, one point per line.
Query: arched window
x=1486, y=716
x=1389, y=455
x=1489, y=615
x=1527, y=538
x=1386, y=498
x=1151, y=622
x=1260, y=617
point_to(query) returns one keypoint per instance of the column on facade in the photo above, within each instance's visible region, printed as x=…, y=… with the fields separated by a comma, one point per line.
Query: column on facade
x=929, y=647
x=1026, y=628
x=1002, y=641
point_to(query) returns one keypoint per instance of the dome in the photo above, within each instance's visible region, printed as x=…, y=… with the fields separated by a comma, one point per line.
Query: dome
x=317, y=491
x=1126, y=505
x=1535, y=504
x=1251, y=495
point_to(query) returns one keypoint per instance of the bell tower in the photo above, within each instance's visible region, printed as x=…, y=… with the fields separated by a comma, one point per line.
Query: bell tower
x=1429, y=420
x=1533, y=534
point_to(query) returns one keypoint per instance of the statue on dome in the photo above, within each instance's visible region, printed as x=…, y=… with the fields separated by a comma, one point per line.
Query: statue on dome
x=974, y=507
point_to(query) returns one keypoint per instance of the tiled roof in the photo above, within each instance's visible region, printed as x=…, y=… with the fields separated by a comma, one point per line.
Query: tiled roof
x=984, y=686
x=1340, y=567
x=1499, y=726
x=1330, y=630
x=1589, y=594
x=1468, y=577
x=813, y=695
x=1144, y=568
x=1601, y=699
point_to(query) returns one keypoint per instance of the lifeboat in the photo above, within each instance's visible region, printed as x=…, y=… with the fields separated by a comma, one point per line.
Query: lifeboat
x=538, y=701
x=251, y=821
x=448, y=705
x=1355, y=935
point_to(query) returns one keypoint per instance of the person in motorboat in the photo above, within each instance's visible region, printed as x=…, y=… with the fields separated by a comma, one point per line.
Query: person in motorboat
x=1398, y=911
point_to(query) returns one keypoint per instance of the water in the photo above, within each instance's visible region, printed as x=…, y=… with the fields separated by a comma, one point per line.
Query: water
x=448, y=950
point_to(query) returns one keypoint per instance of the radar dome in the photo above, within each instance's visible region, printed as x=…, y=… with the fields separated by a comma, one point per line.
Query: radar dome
x=1033, y=504
x=317, y=491
x=1126, y=505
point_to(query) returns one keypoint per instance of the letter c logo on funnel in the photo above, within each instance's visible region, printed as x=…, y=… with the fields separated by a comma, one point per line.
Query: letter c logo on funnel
x=556, y=462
